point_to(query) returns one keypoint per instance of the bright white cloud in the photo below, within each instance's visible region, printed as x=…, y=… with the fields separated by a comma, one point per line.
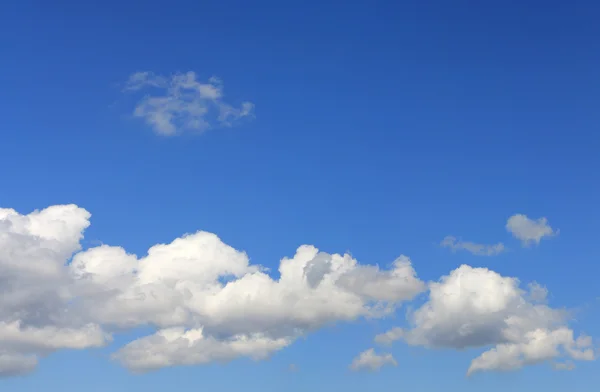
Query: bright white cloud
x=476, y=307
x=529, y=231
x=206, y=300
x=208, y=303
x=477, y=249
x=181, y=102
x=35, y=287
x=371, y=361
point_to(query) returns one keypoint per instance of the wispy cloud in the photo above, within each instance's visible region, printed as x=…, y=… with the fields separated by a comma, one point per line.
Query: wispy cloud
x=529, y=231
x=181, y=102
x=390, y=336
x=565, y=366
x=477, y=249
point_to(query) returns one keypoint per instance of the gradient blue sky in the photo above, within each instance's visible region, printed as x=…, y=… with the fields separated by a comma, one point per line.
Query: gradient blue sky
x=380, y=128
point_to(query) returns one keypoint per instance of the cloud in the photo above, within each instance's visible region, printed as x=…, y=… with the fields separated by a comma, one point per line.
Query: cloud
x=390, y=336
x=529, y=231
x=371, y=361
x=16, y=364
x=206, y=302
x=181, y=102
x=477, y=307
x=177, y=346
x=205, y=299
x=567, y=366
x=477, y=249
x=537, y=292
x=35, y=287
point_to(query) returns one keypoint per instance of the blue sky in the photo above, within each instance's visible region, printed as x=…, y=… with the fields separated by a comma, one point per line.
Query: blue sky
x=378, y=128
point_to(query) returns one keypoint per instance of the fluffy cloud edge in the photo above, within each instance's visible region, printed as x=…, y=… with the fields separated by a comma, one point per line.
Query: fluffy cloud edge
x=479, y=308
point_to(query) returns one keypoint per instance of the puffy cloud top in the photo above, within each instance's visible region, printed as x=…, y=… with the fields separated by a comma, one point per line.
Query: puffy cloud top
x=207, y=302
x=205, y=298
x=477, y=307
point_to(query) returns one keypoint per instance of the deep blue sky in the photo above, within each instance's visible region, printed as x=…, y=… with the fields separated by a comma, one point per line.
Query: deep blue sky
x=380, y=128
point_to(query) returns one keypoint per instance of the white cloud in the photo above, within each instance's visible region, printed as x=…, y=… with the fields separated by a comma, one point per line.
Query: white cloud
x=529, y=231
x=206, y=300
x=477, y=249
x=184, y=103
x=477, y=307
x=370, y=360
x=35, y=287
x=177, y=346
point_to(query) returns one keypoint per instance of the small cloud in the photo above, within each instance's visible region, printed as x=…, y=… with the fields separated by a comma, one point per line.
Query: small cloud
x=563, y=366
x=184, y=103
x=528, y=230
x=140, y=80
x=293, y=368
x=390, y=336
x=477, y=249
x=369, y=360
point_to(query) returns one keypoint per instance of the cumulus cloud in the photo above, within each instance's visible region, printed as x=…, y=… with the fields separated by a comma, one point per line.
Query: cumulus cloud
x=477, y=307
x=529, y=231
x=477, y=249
x=205, y=299
x=207, y=302
x=35, y=287
x=371, y=361
x=177, y=346
x=181, y=102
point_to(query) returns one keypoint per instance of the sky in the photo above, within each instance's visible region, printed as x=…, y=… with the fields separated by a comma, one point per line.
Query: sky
x=257, y=196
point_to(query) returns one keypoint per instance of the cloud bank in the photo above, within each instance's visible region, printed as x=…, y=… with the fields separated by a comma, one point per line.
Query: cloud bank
x=180, y=102
x=206, y=302
x=205, y=299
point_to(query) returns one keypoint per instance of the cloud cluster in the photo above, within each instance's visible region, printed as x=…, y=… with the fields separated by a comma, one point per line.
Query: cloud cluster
x=477, y=307
x=528, y=231
x=205, y=299
x=207, y=302
x=184, y=103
